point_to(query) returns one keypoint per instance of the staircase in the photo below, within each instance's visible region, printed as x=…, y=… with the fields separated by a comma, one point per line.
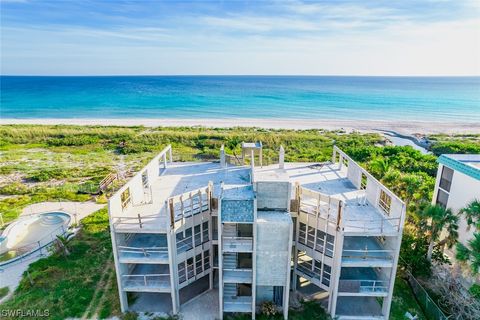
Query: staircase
x=229, y=230
x=229, y=261
x=229, y=290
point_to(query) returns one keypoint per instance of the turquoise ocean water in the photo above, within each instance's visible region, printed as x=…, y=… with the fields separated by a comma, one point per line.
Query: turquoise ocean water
x=295, y=97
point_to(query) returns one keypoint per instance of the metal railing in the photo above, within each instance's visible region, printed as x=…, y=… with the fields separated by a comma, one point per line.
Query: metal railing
x=240, y=243
x=143, y=252
x=368, y=254
x=380, y=224
x=161, y=281
x=28, y=249
x=363, y=286
x=429, y=307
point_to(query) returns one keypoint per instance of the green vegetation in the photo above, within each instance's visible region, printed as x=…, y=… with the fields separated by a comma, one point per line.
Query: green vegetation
x=81, y=283
x=3, y=292
x=403, y=301
x=470, y=254
x=59, y=163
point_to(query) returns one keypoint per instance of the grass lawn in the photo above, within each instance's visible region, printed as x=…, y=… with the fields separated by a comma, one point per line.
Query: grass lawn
x=403, y=301
x=3, y=292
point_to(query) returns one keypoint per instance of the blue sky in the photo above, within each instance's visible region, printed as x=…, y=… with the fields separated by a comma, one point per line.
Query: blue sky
x=425, y=37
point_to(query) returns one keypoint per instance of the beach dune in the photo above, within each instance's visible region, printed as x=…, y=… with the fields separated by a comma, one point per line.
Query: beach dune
x=402, y=127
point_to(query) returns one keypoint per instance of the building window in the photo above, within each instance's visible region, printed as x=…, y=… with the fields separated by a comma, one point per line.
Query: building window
x=311, y=237
x=205, y=231
x=206, y=260
x=145, y=179
x=198, y=235
x=190, y=269
x=125, y=198
x=198, y=264
x=384, y=202
x=442, y=198
x=330, y=245
x=184, y=240
x=327, y=271
x=181, y=272
x=320, y=245
x=317, y=269
x=446, y=179
x=302, y=233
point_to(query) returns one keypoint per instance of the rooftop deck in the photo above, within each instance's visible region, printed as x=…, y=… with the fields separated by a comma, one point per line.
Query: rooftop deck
x=359, y=215
x=141, y=203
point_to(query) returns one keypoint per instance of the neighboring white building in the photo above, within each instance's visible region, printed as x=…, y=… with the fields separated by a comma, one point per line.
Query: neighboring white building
x=457, y=184
x=256, y=233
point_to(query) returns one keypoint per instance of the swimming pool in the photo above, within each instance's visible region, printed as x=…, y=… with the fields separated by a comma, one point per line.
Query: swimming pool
x=31, y=233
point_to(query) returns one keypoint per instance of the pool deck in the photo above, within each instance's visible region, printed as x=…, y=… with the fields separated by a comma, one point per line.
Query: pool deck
x=11, y=274
x=77, y=209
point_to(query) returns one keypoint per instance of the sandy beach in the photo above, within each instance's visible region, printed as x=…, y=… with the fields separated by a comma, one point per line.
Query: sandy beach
x=402, y=127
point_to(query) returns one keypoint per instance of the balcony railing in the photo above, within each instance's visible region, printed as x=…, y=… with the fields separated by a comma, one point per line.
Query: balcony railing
x=237, y=244
x=146, y=282
x=378, y=225
x=135, y=253
x=237, y=304
x=237, y=275
x=367, y=254
x=363, y=286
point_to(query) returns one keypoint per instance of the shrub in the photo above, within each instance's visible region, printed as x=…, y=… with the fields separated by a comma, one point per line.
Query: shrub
x=268, y=308
x=475, y=291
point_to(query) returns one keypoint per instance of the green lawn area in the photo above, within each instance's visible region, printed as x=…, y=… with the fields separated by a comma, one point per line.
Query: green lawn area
x=403, y=301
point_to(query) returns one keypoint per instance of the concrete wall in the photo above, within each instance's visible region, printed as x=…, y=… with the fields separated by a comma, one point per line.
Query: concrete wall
x=273, y=195
x=463, y=190
x=272, y=248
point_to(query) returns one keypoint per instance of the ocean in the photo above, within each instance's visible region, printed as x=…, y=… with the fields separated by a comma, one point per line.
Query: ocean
x=222, y=97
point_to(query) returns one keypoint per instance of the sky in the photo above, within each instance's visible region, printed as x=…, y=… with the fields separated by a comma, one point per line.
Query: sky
x=290, y=37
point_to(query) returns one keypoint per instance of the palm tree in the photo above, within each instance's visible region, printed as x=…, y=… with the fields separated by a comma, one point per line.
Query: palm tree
x=472, y=214
x=436, y=218
x=232, y=144
x=379, y=166
x=62, y=244
x=470, y=254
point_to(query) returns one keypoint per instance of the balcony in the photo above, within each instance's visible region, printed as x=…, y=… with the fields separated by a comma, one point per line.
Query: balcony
x=143, y=255
x=237, y=275
x=237, y=304
x=366, y=252
x=237, y=244
x=363, y=287
x=146, y=282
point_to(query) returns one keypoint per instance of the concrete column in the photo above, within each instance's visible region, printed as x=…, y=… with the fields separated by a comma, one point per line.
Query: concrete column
x=286, y=291
x=336, y=270
x=122, y=294
x=165, y=161
x=388, y=300
x=261, y=157
x=254, y=258
x=220, y=260
x=170, y=154
x=252, y=164
x=223, y=163
x=281, y=160
x=172, y=252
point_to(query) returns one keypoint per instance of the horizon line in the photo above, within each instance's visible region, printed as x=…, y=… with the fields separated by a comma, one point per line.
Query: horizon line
x=240, y=75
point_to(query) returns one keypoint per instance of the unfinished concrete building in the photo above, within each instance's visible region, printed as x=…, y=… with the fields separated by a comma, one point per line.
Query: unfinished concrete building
x=251, y=233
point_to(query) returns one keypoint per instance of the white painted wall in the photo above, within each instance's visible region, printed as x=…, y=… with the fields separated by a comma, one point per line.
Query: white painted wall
x=463, y=190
